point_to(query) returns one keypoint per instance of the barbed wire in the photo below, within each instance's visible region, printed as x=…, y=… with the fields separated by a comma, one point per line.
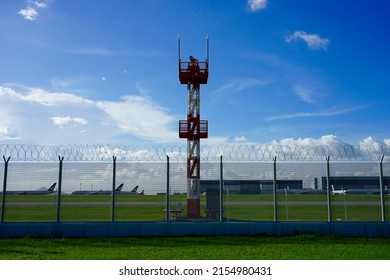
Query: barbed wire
x=231, y=152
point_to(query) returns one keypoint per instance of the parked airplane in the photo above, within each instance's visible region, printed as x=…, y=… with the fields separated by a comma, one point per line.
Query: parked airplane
x=42, y=191
x=361, y=191
x=132, y=192
x=108, y=192
x=118, y=190
x=368, y=191
x=91, y=192
x=342, y=191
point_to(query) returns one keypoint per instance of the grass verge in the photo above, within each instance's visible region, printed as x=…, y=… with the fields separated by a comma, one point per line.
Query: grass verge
x=301, y=247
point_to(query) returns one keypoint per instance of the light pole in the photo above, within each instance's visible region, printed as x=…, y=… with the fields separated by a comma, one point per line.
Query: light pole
x=285, y=191
x=345, y=208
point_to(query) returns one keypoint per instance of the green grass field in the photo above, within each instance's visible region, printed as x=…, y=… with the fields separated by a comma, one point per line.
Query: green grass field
x=303, y=247
x=236, y=208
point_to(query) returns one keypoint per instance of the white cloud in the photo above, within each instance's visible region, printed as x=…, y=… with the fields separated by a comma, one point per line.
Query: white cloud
x=256, y=5
x=30, y=12
x=51, y=99
x=335, y=111
x=313, y=41
x=38, y=4
x=131, y=116
x=140, y=116
x=240, y=139
x=8, y=133
x=240, y=84
x=71, y=82
x=80, y=121
x=8, y=93
x=304, y=93
x=312, y=148
x=373, y=146
x=327, y=140
x=67, y=121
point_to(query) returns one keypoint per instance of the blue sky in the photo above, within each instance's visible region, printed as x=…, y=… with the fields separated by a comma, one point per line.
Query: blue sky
x=105, y=72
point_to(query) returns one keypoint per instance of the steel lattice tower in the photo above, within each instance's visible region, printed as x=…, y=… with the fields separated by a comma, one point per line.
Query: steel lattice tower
x=193, y=73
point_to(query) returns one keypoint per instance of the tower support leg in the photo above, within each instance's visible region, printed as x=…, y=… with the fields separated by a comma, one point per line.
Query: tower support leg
x=193, y=207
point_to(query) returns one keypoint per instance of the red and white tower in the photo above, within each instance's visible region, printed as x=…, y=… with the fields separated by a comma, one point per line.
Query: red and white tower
x=193, y=73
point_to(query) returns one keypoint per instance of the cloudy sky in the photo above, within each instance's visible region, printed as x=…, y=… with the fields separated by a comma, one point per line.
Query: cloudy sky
x=105, y=72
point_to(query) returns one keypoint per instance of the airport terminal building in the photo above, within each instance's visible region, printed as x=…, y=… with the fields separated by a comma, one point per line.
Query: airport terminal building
x=356, y=182
x=266, y=186
x=250, y=186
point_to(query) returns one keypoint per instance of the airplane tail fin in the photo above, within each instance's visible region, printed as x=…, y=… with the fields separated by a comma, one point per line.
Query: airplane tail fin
x=332, y=188
x=119, y=188
x=142, y=193
x=135, y=189
x=51, y=189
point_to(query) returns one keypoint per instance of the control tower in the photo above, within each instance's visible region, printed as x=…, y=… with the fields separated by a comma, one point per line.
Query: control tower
x=193, y=73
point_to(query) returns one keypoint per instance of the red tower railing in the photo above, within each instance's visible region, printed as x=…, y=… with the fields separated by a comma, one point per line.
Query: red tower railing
x=193, y=128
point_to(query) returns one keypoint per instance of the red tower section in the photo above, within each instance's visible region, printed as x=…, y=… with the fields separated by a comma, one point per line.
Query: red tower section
x=193, y=73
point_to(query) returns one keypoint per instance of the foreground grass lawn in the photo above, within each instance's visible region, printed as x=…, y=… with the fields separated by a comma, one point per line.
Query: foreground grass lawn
x=302, y=247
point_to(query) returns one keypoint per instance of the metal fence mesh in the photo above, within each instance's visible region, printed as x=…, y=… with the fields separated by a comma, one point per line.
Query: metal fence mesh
x=386, y=185
x=259, y=183
x=360, y=201
x=28, y=180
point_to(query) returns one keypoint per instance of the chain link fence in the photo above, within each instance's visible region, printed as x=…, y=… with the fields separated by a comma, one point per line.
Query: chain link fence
x=238, y=183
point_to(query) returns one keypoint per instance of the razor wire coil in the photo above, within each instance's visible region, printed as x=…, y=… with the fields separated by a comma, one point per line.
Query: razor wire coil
x=230, y=152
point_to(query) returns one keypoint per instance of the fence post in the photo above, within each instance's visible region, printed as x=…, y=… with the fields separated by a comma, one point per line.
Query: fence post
x=383, y=209
x=328, y=188
x=4, y=187
x=168, y=210
x=61, y=159
x=275, y=193
x=113, y=189
x=221, y=190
